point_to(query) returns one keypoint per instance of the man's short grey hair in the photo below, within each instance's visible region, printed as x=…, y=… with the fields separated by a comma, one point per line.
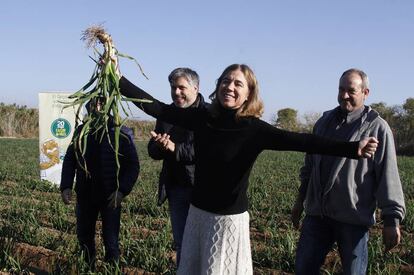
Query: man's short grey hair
x=362, y=74
x=187, y=73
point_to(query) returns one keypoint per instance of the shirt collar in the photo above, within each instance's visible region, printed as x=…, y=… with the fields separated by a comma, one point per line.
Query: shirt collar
x=350, y=117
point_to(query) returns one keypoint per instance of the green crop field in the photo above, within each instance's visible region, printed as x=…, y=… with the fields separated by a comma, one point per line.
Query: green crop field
x=37, y=231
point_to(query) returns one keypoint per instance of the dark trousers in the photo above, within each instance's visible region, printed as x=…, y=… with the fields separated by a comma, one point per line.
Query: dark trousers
x=86, y=217
x=318, y=236
x=179, y=202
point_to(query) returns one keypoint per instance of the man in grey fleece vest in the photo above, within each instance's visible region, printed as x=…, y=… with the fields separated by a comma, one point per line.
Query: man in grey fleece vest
x=340, y=195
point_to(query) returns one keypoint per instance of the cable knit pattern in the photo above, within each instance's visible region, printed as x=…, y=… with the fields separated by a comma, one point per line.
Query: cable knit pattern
x=216, y=244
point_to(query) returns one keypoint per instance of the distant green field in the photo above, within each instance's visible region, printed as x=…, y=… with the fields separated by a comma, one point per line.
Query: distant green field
x=37, y=231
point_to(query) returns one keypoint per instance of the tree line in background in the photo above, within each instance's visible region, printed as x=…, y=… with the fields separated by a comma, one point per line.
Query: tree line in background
x=18, y=121
x=399, y=117
x=21, y=121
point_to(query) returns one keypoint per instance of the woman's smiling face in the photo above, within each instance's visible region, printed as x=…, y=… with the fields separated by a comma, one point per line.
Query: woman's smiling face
x=233, y=90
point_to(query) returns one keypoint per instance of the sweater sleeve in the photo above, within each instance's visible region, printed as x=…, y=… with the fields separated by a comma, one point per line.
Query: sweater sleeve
x=129, y=165
x=273, y=138
x=389, y=193
x=305, y=174
x=68, y=169
x=306, y=170
x=154, y=151
x=187, y=118
x=184, y=151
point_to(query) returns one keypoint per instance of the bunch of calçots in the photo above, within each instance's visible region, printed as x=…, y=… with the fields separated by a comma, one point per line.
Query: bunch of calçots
x=100, y=95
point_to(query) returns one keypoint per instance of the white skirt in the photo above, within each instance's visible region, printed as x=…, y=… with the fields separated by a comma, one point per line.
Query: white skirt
x=215, y=244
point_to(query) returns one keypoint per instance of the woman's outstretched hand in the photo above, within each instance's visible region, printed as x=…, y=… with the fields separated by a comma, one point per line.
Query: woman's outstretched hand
x=367, y=147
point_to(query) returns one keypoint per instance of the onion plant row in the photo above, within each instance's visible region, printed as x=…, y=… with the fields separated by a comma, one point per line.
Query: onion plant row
x=32, y=213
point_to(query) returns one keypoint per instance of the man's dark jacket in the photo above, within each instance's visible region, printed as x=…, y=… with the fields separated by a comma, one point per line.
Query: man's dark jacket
x=101, y=165
x=178, y=167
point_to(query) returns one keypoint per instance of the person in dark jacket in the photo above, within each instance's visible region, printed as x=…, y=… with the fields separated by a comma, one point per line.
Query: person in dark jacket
x=174, y=145
x=97, y=189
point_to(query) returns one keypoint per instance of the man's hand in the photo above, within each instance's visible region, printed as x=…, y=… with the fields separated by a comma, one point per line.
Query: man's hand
x=367, y=147
x=296, y=213
x=115, y=199
x=66, y=196
x=163, y=141
x=115, y=60
x=391, y=236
